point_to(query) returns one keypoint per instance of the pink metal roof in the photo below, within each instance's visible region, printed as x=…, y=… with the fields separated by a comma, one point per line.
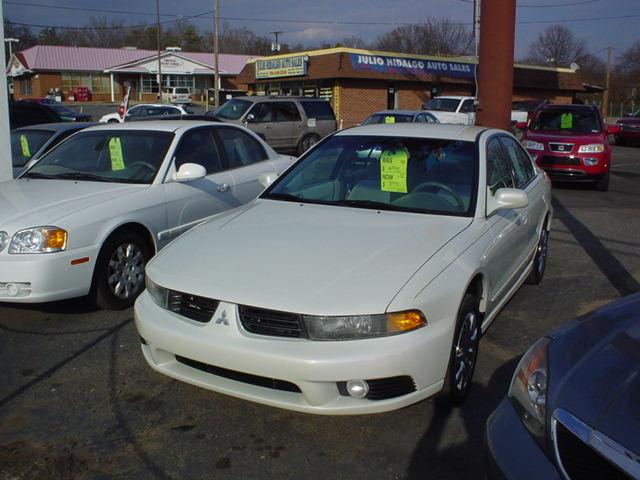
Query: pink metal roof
x=49, y=57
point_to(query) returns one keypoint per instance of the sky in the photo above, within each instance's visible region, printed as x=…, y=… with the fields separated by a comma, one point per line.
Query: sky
x=366, y=18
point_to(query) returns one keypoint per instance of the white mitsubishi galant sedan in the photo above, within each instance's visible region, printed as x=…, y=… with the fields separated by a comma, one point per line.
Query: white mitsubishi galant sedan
x=361, y=280
x=88, y=216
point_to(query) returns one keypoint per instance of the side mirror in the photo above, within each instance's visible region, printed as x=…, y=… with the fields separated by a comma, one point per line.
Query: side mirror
x=251, y=118
x=266, y=179
x=188, y=172
x=521, y=125
x=613, y=130
x=506, y=198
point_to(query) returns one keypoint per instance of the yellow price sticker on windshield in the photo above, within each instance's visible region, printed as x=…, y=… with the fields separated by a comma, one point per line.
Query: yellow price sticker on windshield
x=566, y=121
x=115, y=154
x=393, y=170
x=389, y=119
x=24, y=146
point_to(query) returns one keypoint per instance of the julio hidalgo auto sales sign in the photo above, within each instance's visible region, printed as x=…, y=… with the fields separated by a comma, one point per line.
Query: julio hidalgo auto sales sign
x=411, y=66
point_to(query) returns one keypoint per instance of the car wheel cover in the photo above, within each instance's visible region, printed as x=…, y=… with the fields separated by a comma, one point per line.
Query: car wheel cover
x=308, y=142
x=125, y=274
x=465, y=351
x=541, y=254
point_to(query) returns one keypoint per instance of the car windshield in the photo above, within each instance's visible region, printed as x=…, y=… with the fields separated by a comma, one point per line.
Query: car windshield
x=571, y=121
x=123, y=156
x=62, y=110
x=233, y=109
x=443, y=104
x=388, y=118
x=26, y=143
x=384, y=173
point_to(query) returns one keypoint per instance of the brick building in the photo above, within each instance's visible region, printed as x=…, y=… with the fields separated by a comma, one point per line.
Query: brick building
x=108, y=71
x=360, y=82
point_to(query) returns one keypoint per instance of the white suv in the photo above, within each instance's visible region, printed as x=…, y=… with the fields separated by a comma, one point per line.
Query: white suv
x=458, y=110
x=178, y=95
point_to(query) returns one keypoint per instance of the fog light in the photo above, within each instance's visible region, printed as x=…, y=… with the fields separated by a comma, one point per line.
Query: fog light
x=590, y=162
x=358, y=388
x=12, y=289
x=15, y=289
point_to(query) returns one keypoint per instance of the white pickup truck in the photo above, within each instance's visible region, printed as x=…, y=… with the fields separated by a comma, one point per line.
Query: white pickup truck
x=457, y=110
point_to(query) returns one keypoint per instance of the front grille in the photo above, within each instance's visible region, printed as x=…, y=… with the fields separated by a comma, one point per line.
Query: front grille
x=580, y=461
x=257, y=380
x=561, y=147
x=384, y=388
x=200, y=309
x=551, y=160
x=270, y=322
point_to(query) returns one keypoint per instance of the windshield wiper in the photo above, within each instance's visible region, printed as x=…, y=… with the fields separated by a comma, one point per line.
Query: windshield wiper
x=284, y=196
x=84, y=176
x=37, y=175
x=370, y=204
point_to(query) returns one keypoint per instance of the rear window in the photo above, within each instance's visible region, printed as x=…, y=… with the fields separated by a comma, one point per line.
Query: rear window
x=318, y=110
x=388, y=118
x=182, y=91
x=25, y=144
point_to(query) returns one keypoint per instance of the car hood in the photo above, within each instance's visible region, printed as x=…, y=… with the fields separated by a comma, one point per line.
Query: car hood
x=596, y=371
x=33, y=202
x=582, y=138
x=304, y=258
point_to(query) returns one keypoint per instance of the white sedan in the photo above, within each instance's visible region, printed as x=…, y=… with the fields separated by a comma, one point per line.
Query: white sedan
x=89, y=214
x=145, y=110
x=361, y=280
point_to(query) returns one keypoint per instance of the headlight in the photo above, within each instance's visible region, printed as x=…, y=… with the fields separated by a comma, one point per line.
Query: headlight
x=39, y=240
x=158, y=294
x=362, y=326
x=530, y=144
x=593, y=148
x=528, y=389
x=4, y=238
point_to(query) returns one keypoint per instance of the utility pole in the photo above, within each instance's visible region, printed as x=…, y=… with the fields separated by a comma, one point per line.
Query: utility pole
x=10, y=41
x=495, y=80
x=605, y=94
x=6, y=172
x=275, y=46
x=216, y=48
x=159, y=79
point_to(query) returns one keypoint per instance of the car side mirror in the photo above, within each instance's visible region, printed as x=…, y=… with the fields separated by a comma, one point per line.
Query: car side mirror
x=613, y=130
x=521, y=125
x=189, y=171
x=251, y=118
x=266, y=179
x=506, y=199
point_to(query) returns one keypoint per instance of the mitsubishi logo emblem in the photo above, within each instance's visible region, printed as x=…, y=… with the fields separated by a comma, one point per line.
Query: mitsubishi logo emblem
x=222, y=319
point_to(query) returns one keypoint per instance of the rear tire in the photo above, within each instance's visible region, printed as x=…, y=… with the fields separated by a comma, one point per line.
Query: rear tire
x=113, y=120
x=464, y=351
x=602, y=185
x=307, y=142
x=119, y=277
x=540, y=258
x=621, y=141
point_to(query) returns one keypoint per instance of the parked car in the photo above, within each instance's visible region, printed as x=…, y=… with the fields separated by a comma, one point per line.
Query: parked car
x=292, y=124
x=23, y=114
x=28, y=144
x=179, y=95
x=523, y=110
x=69, y=115
x=457, y=110
x=361, y=280
x=570, y=142
x=146, y=110
x=88, y=216
x=41, y=101
x=629, y=129
x=572, y=408
x=400, y=116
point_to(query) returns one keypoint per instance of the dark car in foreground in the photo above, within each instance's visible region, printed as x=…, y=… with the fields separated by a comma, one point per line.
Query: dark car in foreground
x=573, y=408
x=629, y=129
x=30, y=143
x=570, y=142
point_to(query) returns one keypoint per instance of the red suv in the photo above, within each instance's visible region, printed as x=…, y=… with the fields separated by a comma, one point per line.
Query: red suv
x=570, y=143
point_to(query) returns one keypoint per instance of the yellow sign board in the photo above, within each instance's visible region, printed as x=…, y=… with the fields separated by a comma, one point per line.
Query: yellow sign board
x=115, y=154
x=282, y=67
x=389, y=119
x=24, y=146
x=393, y=170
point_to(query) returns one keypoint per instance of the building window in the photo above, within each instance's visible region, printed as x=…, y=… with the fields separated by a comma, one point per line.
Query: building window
x=97, y=82
x=149, y=84
x=25, y=86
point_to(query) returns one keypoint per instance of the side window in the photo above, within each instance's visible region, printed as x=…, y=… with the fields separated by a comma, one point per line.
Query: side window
x=522, y=166
x=198, y=146
x=261, y=112
x=137, y=112
x=421, y=118
x=430, y=118
x=285, y=112
x=240, y=148
x=468, y=106
x=498, y=168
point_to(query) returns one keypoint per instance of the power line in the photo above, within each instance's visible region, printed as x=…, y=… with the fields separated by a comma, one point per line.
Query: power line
x=84, y=9
x=568, y=4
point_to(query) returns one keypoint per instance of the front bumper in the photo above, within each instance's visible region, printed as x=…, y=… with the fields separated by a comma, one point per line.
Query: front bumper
x=49, y=276
x=314, y=367
x=511, y=452
x=568, y=167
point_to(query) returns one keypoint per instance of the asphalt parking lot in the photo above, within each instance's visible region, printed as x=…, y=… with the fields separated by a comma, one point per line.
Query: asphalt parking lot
x=77, y=399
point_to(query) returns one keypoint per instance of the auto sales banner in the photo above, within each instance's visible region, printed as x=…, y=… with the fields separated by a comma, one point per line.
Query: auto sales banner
x=282, y=67
x=410, y=66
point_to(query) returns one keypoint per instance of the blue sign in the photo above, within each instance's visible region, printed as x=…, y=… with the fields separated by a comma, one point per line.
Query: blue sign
x=410, y=66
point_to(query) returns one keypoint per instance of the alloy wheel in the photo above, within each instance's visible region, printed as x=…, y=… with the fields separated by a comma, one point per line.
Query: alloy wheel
x=125, y=275
x=465, y=351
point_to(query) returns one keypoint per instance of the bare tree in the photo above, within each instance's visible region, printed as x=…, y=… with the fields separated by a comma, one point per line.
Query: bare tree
x=557, y=46
x=629, y=63
x=433, y=37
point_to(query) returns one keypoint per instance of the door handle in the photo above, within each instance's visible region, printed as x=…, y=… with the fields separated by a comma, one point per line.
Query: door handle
x=223, y=187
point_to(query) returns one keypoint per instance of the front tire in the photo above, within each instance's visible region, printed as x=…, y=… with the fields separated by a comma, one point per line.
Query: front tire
x=307, y=142
x=602, y=185
x=119, y=275
x=540, y=258
x=464, y=351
